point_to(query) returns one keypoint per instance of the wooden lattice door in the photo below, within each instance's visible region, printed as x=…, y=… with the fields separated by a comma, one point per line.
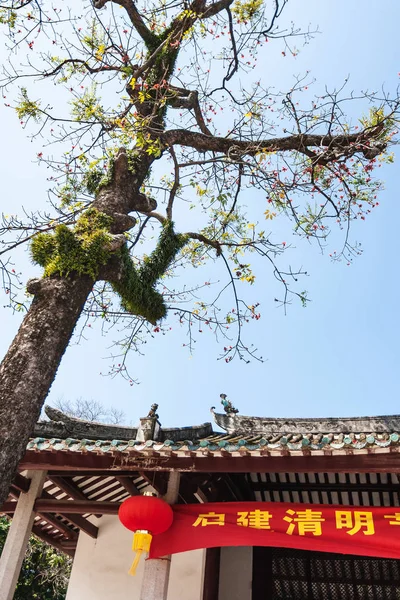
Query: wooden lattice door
x=283, y=574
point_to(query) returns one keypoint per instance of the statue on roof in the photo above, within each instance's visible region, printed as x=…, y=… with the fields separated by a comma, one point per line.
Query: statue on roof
x=153, y=412
x=228, y=406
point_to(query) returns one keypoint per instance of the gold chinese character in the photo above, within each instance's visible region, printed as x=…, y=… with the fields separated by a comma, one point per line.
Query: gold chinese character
x=308, y=521
x=355, y=521
x=256, y=519
x=210, y=518
x=396, y=518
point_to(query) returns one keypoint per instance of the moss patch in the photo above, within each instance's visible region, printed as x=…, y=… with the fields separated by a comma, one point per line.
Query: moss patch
x=86, y=248
x=136, y=289
x=81, y=250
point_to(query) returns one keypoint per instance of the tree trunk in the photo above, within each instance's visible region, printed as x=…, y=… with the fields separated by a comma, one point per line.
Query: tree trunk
x=31, y=364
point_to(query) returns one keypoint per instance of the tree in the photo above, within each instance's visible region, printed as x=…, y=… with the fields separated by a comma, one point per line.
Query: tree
x=163, y=142
x=90, y=410
x=45, y=571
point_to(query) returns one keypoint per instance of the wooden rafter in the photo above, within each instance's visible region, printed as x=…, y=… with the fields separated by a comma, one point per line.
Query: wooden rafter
x=129, y=486
x=75, y=519
x=52, y=541
x=105, y=488
x=69, y=487
x=8, y=508
x=82, y=524
x=14, y=492
x=157, y=480
x=188, y=488
x=288, y=486
x=58, y=524
x=242, y=485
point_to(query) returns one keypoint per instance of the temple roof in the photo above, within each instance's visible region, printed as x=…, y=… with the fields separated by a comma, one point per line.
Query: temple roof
x=239, y=424
x=62, y=426
x=228, y=443
x=92, y=467
x=63, y=433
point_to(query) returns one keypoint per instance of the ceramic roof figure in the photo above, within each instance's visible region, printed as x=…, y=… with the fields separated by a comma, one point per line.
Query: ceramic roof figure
x=228, y=406
x=153, y=411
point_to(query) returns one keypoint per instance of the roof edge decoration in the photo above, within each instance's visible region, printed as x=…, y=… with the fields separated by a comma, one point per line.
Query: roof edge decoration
x=245, y=436
x=191, y=433
x=62, y=426
x=233, y=423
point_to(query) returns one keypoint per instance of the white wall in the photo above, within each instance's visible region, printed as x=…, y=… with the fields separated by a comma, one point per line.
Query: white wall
x=100, y=569
x=236, y=573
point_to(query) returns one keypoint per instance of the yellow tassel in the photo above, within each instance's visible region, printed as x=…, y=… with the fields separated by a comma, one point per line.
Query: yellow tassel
x=141, y=543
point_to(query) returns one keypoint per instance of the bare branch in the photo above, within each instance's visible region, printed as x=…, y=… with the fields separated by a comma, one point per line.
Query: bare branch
x=213, y=9
x=136, y=19
x=175, y=186
x=346, y=145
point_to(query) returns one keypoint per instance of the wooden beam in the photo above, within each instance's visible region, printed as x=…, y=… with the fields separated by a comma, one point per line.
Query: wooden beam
x=21, y=483
x=241, y=482
x=70, y=472
x=83, y=524
x=68, y=544
x=383, y=462
x=75, y=519
x=50, y=540
x=80, y=522
x=66, y=507
x=57, y=524
x=8, y=508
x=69, y=487
x=158, y=481
x=187, y=489
x=128, y=484
x=233, y=487
x=216, y=490
x=104, y=488
x=76, y=507
x=14, y=493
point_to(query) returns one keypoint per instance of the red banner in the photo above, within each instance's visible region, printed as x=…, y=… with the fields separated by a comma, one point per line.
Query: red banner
x=366, y=531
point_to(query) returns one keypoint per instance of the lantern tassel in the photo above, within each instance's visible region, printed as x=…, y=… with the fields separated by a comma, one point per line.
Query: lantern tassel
x=141, y=543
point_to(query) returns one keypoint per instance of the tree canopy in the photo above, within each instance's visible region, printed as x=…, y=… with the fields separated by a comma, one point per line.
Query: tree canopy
x=45, y=571
x=166, y=151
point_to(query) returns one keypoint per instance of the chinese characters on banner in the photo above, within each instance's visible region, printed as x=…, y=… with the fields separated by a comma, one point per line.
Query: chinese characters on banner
x=366, y=531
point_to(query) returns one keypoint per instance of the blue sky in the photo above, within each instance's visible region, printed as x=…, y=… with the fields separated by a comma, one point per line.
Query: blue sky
x=337, y=357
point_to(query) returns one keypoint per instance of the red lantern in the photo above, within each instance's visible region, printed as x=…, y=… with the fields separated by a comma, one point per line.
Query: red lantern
x=147, y=516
